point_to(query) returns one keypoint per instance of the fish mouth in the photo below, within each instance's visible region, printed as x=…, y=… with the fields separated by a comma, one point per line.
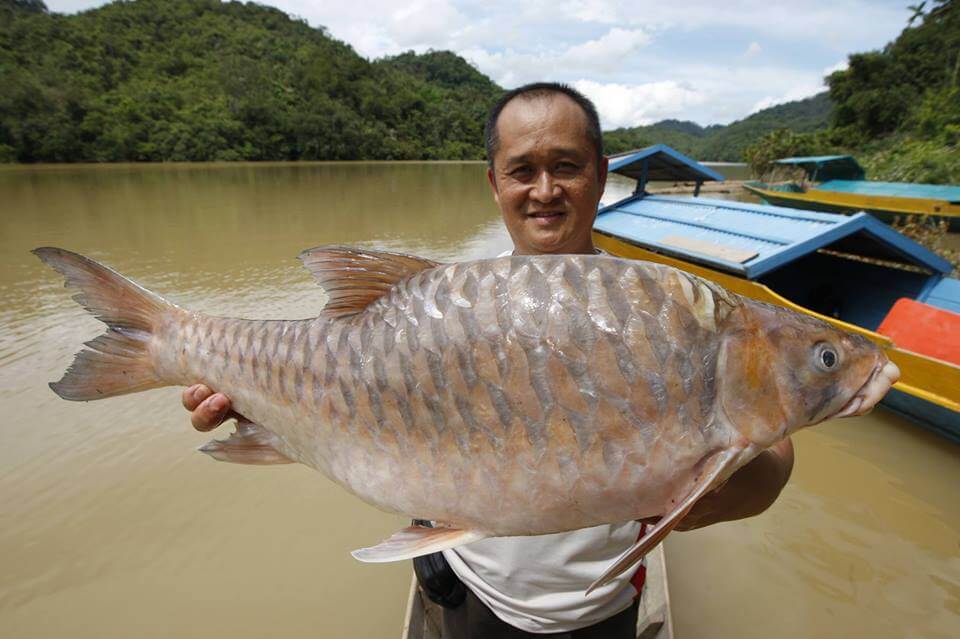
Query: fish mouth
x=883, y=377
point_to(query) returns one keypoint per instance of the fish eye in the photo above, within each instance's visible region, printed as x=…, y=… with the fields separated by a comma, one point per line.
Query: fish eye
x=827, y=357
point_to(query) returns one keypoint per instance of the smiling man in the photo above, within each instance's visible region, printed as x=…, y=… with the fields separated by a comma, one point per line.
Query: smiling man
x=547, y=172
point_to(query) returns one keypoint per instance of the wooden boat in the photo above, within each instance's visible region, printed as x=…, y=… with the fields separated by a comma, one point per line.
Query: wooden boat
x=835, y=183
x=423, y=619
x=850, y=271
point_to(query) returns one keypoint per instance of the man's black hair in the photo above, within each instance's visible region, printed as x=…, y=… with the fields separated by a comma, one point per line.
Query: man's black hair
x=541, y=90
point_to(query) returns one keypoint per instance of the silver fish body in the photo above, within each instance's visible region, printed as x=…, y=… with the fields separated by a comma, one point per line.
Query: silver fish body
x=513, y=396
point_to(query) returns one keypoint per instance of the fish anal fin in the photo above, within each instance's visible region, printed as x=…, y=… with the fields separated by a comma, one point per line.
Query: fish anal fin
x=353, y=277
x=414, y=541
x=249, y=444
x=711, y=473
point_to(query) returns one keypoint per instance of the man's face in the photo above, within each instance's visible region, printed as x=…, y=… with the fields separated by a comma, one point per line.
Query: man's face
x=545, y=176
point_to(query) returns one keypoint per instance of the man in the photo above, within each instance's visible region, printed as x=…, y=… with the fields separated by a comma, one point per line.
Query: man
x=547, y=172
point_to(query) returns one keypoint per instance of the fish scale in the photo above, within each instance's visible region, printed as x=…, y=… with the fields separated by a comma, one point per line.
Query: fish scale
x=513, y=396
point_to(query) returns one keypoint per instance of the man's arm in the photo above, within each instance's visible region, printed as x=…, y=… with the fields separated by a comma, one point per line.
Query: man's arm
x=748, y=492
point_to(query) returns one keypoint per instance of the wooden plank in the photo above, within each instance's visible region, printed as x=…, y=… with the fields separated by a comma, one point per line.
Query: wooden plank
x=720, y=251
x=413, y=619
x=653, y=617
x=423, y=619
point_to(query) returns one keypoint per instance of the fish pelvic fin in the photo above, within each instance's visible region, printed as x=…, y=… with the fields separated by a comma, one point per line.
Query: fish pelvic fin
x=249, y=444
x=414, y=541
x=711, y=472
x=353, y=278
x=118, y=361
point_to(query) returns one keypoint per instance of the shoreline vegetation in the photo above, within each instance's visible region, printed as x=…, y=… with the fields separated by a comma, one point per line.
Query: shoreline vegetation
x=208, y=81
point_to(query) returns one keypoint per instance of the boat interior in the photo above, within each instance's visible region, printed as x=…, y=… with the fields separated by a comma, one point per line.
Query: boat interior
x=870, y=285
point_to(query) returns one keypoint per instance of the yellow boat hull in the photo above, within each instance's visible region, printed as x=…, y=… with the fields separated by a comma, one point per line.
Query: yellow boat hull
x=923, y=377
x=885, y=206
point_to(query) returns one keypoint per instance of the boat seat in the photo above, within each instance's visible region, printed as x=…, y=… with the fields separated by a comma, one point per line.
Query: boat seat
x=923, y=329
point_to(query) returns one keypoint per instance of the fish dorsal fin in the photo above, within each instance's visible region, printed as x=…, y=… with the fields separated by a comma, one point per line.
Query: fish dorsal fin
x=353, y=277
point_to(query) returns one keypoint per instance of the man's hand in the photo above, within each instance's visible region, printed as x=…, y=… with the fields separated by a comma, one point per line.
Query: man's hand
x=207, y=409
x=748, y=492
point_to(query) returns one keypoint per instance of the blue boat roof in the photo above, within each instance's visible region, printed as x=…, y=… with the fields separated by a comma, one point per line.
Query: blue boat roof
x=751, y=240
x=947, y=192
x=827, y=167
x=814, y=159
x=660, y=162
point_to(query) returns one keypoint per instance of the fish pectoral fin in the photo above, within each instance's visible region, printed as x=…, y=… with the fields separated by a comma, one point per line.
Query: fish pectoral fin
x=353, y=278
x=710, y=473
x=249, y=444
x=414, y=541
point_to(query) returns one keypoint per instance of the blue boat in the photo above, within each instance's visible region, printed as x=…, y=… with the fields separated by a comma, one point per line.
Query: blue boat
x=851, y=271
x=838, y=183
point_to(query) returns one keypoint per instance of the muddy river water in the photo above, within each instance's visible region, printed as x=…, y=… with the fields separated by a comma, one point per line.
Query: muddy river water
x=112, y=526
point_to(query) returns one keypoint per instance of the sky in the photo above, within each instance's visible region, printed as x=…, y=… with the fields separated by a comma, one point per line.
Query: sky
x=640, y=62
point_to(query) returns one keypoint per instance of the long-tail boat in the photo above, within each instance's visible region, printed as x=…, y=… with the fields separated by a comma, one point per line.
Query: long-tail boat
x=836, y=183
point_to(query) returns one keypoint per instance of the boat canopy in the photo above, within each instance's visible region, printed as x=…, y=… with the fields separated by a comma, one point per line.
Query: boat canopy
x=820, y=168
x=751, y=240
x=661, y=163
x=947, y=192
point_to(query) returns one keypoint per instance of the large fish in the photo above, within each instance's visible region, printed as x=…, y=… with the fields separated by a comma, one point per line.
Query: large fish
x=511, y=396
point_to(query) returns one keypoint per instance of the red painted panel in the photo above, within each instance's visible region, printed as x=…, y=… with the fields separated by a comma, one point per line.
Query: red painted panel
x=923, y=329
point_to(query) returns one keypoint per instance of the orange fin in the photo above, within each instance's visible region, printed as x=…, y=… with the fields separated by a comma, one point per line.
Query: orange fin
x=118, y=361
x=353, y=278
x=249, y=444
x=414, y=541
x=712, y=470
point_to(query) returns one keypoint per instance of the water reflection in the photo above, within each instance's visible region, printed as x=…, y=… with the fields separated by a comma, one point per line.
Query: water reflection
x=863, y=542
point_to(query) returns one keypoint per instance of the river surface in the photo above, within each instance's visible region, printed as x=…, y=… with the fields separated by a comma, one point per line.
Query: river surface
x=112, y=526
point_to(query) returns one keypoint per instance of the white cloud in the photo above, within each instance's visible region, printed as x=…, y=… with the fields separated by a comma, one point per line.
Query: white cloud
x=623, y=105
x=794, y=94
x=839, y=66
x=72, y=6
x=825, y=21
x=598, y=57
x=753, y=50
x=425, y=22
x=801, y=91
x=607, y=50
x=599, y=11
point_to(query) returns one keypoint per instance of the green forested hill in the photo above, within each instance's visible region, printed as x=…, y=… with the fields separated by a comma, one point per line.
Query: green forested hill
x=726, y=142
x=206, y=80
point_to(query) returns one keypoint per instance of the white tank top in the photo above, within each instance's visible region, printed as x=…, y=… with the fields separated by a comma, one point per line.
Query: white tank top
x=537, y=583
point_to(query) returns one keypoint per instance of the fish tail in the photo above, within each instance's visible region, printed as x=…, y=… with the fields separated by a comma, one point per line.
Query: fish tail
x=119, y=361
